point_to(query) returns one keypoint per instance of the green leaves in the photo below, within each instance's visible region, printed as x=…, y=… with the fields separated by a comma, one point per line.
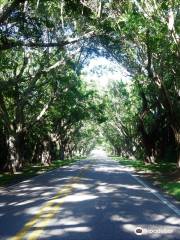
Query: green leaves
x=39, y=82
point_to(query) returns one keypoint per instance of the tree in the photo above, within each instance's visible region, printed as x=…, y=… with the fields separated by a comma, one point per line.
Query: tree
x=43, y=100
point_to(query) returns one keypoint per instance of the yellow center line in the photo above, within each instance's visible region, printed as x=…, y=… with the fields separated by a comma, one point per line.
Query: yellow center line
x=35, y=234
x=47, y=211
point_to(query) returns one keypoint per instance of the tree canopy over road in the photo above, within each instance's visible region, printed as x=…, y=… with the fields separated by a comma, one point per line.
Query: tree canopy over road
x=47, y=109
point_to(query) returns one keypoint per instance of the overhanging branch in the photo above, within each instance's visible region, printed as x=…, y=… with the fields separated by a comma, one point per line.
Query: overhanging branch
x=8, y=44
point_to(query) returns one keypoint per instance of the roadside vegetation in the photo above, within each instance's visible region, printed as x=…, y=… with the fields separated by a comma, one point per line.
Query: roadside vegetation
x=7, y=178
x=160, y=174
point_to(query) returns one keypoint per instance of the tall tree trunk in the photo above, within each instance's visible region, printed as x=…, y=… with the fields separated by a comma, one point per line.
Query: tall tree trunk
x=148, y=143
x=12, y=154
x=19, y=127
x=177, y=138
x=3, y=149
x=166, y=99
x=20, y=147
x=46, y=158
x=172, y=115
x=62, y=152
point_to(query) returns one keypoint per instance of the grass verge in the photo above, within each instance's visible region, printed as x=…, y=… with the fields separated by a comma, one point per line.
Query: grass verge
x=7, y=178
x=160, y=174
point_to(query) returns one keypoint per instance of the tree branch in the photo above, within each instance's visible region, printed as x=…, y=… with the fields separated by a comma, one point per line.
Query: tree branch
x=4, y=112
x=42, y=112
x=9, y=44
x=37, y=77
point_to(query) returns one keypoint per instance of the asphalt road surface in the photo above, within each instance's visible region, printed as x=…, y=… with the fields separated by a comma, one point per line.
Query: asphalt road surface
x=94, y=199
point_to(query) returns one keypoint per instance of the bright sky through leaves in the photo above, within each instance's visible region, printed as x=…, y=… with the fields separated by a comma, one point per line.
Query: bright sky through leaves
x=101, y=72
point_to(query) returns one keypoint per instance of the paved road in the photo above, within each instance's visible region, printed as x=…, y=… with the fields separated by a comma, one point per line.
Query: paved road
x=95, y=199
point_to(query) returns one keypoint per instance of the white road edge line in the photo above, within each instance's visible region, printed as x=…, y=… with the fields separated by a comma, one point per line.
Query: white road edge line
x=155, y=193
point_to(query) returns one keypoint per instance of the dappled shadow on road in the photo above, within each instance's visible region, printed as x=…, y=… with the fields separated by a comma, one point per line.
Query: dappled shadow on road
x=20, y=202
x=106, y=203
